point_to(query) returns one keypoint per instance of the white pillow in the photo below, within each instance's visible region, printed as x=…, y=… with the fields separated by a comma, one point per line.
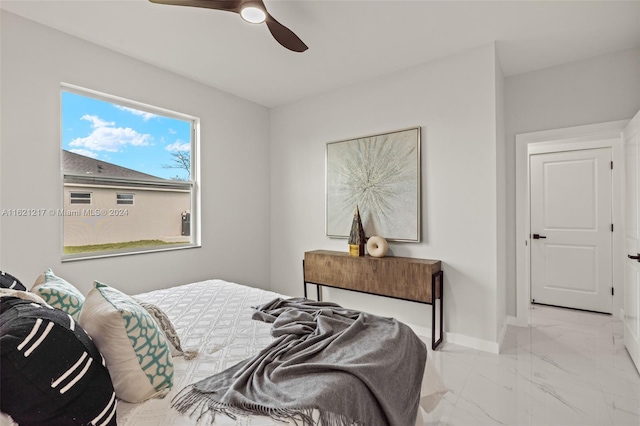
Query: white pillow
x=135, y=349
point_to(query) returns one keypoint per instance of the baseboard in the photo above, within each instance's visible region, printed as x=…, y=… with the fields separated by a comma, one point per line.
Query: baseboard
x=511, y=320
x=459, y=339
x=473, y=342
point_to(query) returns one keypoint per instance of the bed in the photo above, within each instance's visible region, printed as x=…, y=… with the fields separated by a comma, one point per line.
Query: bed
x=214, y=318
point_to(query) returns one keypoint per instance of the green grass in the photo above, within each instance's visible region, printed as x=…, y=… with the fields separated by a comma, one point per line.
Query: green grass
x=116, y=246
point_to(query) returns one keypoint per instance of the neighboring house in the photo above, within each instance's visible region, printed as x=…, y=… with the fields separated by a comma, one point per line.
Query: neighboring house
x=106, y=203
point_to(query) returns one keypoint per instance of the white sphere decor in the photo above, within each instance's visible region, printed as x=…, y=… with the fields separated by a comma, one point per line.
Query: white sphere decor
x=377, y=246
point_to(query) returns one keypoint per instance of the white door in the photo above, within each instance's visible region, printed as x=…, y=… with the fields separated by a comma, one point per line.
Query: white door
x=571, y=231
x=631, y=137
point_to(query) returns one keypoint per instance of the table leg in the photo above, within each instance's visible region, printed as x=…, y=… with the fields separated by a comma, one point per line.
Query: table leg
x=437, y=277
x=304, y=281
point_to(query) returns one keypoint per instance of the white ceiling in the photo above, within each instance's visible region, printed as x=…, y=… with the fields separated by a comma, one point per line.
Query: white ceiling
x=348, y=41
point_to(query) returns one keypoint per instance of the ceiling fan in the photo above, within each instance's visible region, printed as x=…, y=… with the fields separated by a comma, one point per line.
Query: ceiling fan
x=253, y=11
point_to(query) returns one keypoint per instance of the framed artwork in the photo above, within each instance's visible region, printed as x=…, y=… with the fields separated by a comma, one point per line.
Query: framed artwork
x=380, y=174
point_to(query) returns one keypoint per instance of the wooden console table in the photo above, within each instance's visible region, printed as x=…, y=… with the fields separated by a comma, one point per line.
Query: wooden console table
x=405, y=278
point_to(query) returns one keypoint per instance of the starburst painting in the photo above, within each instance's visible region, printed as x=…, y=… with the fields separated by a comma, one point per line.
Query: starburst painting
x=380, y=175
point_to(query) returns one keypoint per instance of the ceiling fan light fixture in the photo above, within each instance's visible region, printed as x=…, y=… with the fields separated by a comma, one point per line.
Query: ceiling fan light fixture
x=252, y=11
x=253, y=15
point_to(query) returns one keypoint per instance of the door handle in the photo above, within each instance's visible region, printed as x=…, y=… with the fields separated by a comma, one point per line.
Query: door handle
x=634, y=257
x=538, y=236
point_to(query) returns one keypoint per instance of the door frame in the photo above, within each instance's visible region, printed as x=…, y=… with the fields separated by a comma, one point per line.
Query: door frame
x=600, y=135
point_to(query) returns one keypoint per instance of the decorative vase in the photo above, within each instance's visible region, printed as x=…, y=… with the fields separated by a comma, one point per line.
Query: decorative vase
x=356, y=236
x=377, y=246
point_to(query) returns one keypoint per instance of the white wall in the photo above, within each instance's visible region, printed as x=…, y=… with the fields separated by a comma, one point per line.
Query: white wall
x=501, y=207
x=234, y=164
x=596, y=90
x=454, y=101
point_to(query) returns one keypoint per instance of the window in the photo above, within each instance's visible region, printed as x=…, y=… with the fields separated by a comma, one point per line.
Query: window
x=124, y=199
x=139, y=155
x=79, y=197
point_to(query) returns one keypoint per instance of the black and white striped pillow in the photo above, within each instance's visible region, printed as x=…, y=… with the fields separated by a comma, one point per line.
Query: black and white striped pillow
x=9, y=281
x=52, y=373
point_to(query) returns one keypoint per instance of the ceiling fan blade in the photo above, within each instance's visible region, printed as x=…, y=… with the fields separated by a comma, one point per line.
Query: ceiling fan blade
x=228, y=5
x=284, y=35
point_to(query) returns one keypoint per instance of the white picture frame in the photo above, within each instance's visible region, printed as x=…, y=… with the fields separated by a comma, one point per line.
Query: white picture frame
x=380, y=174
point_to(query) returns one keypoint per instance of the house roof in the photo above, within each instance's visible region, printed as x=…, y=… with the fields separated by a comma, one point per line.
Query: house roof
x=77, y=164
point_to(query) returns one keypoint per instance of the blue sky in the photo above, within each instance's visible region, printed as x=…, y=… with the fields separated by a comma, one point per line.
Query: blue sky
x=124, y=136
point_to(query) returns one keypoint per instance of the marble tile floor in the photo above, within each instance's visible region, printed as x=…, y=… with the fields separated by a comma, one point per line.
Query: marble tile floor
x=568, y=368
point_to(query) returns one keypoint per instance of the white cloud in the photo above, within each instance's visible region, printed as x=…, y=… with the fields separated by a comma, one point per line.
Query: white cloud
x=97, y=121
x=173, y=132
x=178, y=146
x=84, y=152
x=145, y=115
x=105, y=137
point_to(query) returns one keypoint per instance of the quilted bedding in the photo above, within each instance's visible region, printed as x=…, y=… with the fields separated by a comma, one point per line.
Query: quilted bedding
x=213, y=317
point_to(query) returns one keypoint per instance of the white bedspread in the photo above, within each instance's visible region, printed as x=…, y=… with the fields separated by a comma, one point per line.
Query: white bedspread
x=215, y=317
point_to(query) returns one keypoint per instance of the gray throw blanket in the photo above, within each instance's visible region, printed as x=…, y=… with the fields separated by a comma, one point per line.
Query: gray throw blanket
x=352, y=367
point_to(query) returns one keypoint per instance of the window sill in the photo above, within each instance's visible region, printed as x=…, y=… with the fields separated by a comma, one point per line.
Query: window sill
x=117, y=253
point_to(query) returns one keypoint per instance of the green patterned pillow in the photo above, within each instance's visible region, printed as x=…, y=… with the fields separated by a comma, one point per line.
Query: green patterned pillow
x=59, y=293
x=136, y=351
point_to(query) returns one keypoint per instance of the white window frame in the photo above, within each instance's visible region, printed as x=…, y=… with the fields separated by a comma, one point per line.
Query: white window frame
x=193, y=184
x=127, y=201
x=79, y=200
